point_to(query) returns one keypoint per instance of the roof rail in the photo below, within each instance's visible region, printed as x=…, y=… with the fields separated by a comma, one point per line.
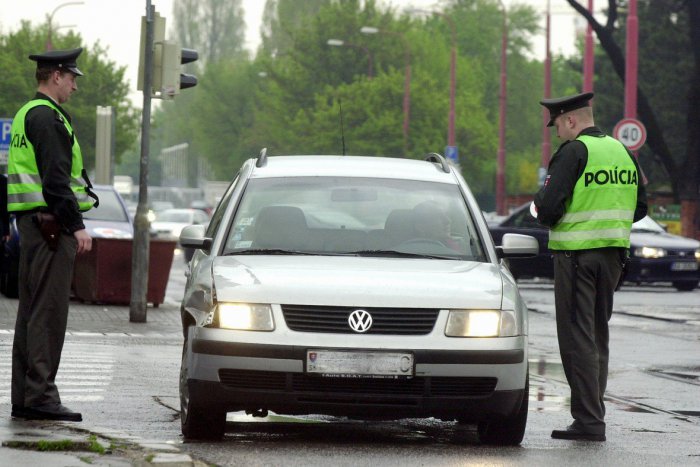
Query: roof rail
x=262, y=158
x=437, y=158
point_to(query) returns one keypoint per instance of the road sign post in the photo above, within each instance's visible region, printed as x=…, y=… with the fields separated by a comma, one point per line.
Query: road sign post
x=630, y=132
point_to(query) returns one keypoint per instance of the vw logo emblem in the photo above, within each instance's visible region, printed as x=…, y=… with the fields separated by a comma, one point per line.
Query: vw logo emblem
x=360, y=321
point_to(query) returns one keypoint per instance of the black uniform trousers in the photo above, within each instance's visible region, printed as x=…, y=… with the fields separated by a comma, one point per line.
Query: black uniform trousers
x=44, y=293
x=584, y=283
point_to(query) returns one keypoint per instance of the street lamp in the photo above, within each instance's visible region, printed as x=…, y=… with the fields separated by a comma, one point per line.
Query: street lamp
x=406, y=81
x=342, y=43
x=452, y=149
x=502, y=99
x=49, y=44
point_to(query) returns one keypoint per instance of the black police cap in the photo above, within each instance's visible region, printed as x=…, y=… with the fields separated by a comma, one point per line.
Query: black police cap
x=64, y=59
x=562, y=105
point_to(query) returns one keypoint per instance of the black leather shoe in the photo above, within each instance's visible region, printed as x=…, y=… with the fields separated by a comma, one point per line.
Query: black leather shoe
x=577, y=434
x=18, y=411
x=52, y=412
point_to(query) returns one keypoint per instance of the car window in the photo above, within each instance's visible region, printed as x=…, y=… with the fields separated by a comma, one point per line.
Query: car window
x=524, y=219
x=218, y=214
x=110, y=208
x=343, y=215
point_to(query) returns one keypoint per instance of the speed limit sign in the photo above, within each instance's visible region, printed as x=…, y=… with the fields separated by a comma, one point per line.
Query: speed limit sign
x=631, y=133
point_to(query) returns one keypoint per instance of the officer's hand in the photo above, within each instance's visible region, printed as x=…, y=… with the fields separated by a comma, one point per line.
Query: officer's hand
x=84, y=240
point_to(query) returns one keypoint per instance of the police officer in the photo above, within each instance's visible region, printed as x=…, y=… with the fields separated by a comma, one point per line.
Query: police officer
x=592, y=194
x=47, y=190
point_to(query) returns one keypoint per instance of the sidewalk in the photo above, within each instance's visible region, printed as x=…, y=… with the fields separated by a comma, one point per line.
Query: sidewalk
x=47, y=443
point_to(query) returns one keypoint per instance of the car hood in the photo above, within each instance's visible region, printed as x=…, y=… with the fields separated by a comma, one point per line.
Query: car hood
x=662, y=240
x=109, y=229
x=355, y=281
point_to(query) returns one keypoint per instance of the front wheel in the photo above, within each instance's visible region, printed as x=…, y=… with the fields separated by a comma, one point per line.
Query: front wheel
x=509, y=431
x=197, y=421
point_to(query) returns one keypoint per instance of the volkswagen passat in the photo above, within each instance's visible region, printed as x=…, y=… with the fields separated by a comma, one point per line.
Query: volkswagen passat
x=365, y=287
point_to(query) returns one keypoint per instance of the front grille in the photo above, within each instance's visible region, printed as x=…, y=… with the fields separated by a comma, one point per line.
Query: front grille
x=334, y=319
x=302, y=383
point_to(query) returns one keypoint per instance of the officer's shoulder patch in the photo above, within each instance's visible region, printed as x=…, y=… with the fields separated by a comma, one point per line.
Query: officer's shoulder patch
x=59, y=117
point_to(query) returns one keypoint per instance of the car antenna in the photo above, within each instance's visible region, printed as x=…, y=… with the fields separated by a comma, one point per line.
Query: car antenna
x=342, y=130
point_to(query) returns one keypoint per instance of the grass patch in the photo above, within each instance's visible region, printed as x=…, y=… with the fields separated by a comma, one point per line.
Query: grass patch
x=61, y=445
x=95, y=445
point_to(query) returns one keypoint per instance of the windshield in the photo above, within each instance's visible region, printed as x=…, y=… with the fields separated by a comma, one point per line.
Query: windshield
x=361, y=216
x=110, y=208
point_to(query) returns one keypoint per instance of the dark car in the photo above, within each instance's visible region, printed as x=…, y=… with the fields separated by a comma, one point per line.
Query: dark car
x=655, y=255
x=110, y=220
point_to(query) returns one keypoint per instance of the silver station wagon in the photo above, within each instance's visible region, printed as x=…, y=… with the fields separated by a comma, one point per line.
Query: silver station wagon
x=365, y=287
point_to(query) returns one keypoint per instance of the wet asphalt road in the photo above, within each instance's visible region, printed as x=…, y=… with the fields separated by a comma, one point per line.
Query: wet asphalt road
x=127, y=381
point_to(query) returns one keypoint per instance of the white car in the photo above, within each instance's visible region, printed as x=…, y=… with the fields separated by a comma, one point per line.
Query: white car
x=407, y=312
x=169, y=223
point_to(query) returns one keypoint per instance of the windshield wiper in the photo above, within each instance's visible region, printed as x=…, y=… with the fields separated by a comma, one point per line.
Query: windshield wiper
x=270, y=251
x=400, y=254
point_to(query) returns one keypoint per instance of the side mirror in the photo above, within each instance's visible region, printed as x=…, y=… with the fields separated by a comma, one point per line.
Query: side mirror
x=193, y=236
x=517, y=246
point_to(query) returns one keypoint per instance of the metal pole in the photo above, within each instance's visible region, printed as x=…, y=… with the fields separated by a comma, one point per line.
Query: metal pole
x=631, y=61
x=588, y=55
x=140, y=251
x=502, y=100
x=546, y=142
x=453, y=67
x=49, y=43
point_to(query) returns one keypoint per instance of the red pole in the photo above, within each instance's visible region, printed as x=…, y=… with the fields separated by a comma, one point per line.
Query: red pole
x=631, y=61
x=501, y=160
x=406, y=104
x=546, y=143
x=588, y=56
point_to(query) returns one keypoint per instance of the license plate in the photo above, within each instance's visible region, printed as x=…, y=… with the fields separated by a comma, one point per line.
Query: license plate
x=359, y=364
x=684, y=266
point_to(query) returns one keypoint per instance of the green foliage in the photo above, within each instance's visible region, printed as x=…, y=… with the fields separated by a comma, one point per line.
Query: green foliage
x=288, y=98
x=104, y=84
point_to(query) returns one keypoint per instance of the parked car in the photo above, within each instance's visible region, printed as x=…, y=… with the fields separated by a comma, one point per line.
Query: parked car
x=406, y=312
x=169, y=223
x=655, y=255
x=110, y=219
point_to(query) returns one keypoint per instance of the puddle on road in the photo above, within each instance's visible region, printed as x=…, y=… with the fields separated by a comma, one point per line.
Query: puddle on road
x=547, y=395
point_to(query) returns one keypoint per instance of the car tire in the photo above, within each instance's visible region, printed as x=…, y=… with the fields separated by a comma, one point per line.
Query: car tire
x=509, y=431
x=685, y=286
x=8, y=279
x=197, y=421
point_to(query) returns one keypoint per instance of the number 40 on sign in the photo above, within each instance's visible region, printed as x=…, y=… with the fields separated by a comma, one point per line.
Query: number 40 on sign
x=631, y=133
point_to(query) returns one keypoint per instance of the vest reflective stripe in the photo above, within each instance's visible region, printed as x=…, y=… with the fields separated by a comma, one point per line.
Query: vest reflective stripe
x=579, y=235
x=601, y=209
x=24, y=187
x=611, y=214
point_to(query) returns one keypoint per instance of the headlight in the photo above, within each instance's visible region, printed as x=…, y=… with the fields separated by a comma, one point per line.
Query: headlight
x=650, y=252
x=244, y=316
x=481, y=323
x=697, y=254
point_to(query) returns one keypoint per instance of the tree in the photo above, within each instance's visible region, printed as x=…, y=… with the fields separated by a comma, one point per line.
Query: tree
x=215, y=28
x=668, y=30
x=104, y=84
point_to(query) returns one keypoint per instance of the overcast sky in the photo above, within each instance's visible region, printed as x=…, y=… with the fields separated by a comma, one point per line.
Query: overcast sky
x=116, y=24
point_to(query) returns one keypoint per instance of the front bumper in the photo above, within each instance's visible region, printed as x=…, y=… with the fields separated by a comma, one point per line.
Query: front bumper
x=469, y=384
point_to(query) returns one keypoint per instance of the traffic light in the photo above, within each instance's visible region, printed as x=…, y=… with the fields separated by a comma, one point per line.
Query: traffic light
x=168, y=57
x=167, y=76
